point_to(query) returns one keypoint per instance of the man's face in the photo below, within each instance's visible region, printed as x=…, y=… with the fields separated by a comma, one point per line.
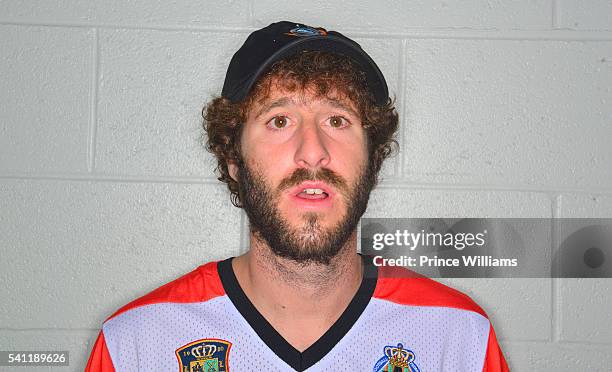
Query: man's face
x=305, y=180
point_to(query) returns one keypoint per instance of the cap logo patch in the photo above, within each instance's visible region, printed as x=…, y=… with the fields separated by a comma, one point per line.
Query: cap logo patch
x=307, y=31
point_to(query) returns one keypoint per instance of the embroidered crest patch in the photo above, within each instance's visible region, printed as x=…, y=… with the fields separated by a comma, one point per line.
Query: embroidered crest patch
x=396, y=359
x=206, y=355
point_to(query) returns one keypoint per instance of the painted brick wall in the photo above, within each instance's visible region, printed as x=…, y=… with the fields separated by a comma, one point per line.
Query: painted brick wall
x=106, y=191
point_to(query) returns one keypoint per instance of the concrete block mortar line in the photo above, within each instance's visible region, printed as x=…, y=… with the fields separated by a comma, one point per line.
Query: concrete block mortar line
x=93, y=102
x=556, y=308
x=406, y=183
x=554, y=15
x=606, y=346
x=585, y=344
x=251, y=13
x=399, y=165
x=132, y=26
x=98, y=177
x=25, y=330
x=507, y=340
x=492, y=34
x=416, y=33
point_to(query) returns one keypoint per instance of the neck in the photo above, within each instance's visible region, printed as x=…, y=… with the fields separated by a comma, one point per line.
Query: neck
x=302, y=299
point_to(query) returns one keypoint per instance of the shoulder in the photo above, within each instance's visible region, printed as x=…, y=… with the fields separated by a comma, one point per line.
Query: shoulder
x=200, y=285
x=404, y=287
x=441, y=309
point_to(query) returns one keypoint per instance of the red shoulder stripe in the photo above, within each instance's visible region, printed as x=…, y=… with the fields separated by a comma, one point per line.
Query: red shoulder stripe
x=100, y=360
x=200, y=285
x=406, y=287
x=494, y=360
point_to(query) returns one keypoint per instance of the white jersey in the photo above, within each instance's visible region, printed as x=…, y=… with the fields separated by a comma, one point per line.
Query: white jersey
x=203, y=321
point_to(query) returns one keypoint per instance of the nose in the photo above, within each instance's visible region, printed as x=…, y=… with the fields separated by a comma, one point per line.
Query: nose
x=311, y=150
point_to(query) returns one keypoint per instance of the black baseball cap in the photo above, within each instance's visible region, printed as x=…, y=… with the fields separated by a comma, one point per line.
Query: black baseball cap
x=282, y=39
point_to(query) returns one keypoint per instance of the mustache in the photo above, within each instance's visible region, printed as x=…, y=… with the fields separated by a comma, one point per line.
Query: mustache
x=323, y=174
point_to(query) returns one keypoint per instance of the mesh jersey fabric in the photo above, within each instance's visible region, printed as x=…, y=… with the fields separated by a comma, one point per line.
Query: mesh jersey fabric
x=426, y=325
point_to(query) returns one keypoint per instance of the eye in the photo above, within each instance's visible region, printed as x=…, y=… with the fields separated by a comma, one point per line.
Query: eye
x=278, y=122
x=338, y=121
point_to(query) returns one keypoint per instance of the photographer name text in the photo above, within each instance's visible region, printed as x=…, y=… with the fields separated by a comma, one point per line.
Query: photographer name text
x=464, y=261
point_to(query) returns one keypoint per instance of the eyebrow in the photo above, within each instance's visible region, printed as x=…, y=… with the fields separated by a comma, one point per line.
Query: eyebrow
x=341, y=105
x=274, y=104
x=284, y=101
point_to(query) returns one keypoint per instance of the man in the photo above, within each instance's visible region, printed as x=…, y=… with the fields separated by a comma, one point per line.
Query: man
x=300, y=132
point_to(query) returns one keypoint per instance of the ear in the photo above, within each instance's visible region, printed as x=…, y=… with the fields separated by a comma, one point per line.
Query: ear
x=232, y=168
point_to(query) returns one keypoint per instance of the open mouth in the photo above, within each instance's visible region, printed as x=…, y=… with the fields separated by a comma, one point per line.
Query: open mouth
x=313, y=194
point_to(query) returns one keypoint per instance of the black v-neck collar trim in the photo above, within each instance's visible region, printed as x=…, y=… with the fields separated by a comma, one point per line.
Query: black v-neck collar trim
x=299, y=361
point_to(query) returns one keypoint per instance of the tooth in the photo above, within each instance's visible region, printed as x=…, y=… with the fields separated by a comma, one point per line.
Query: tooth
x=313, y=191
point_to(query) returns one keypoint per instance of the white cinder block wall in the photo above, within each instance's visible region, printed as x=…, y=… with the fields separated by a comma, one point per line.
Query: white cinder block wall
x=106, y=191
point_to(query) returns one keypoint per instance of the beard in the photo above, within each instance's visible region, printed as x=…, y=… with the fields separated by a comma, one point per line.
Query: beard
x=310, y=242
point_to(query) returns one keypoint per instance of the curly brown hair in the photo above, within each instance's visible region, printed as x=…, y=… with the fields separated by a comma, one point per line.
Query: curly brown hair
x=321, y=73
